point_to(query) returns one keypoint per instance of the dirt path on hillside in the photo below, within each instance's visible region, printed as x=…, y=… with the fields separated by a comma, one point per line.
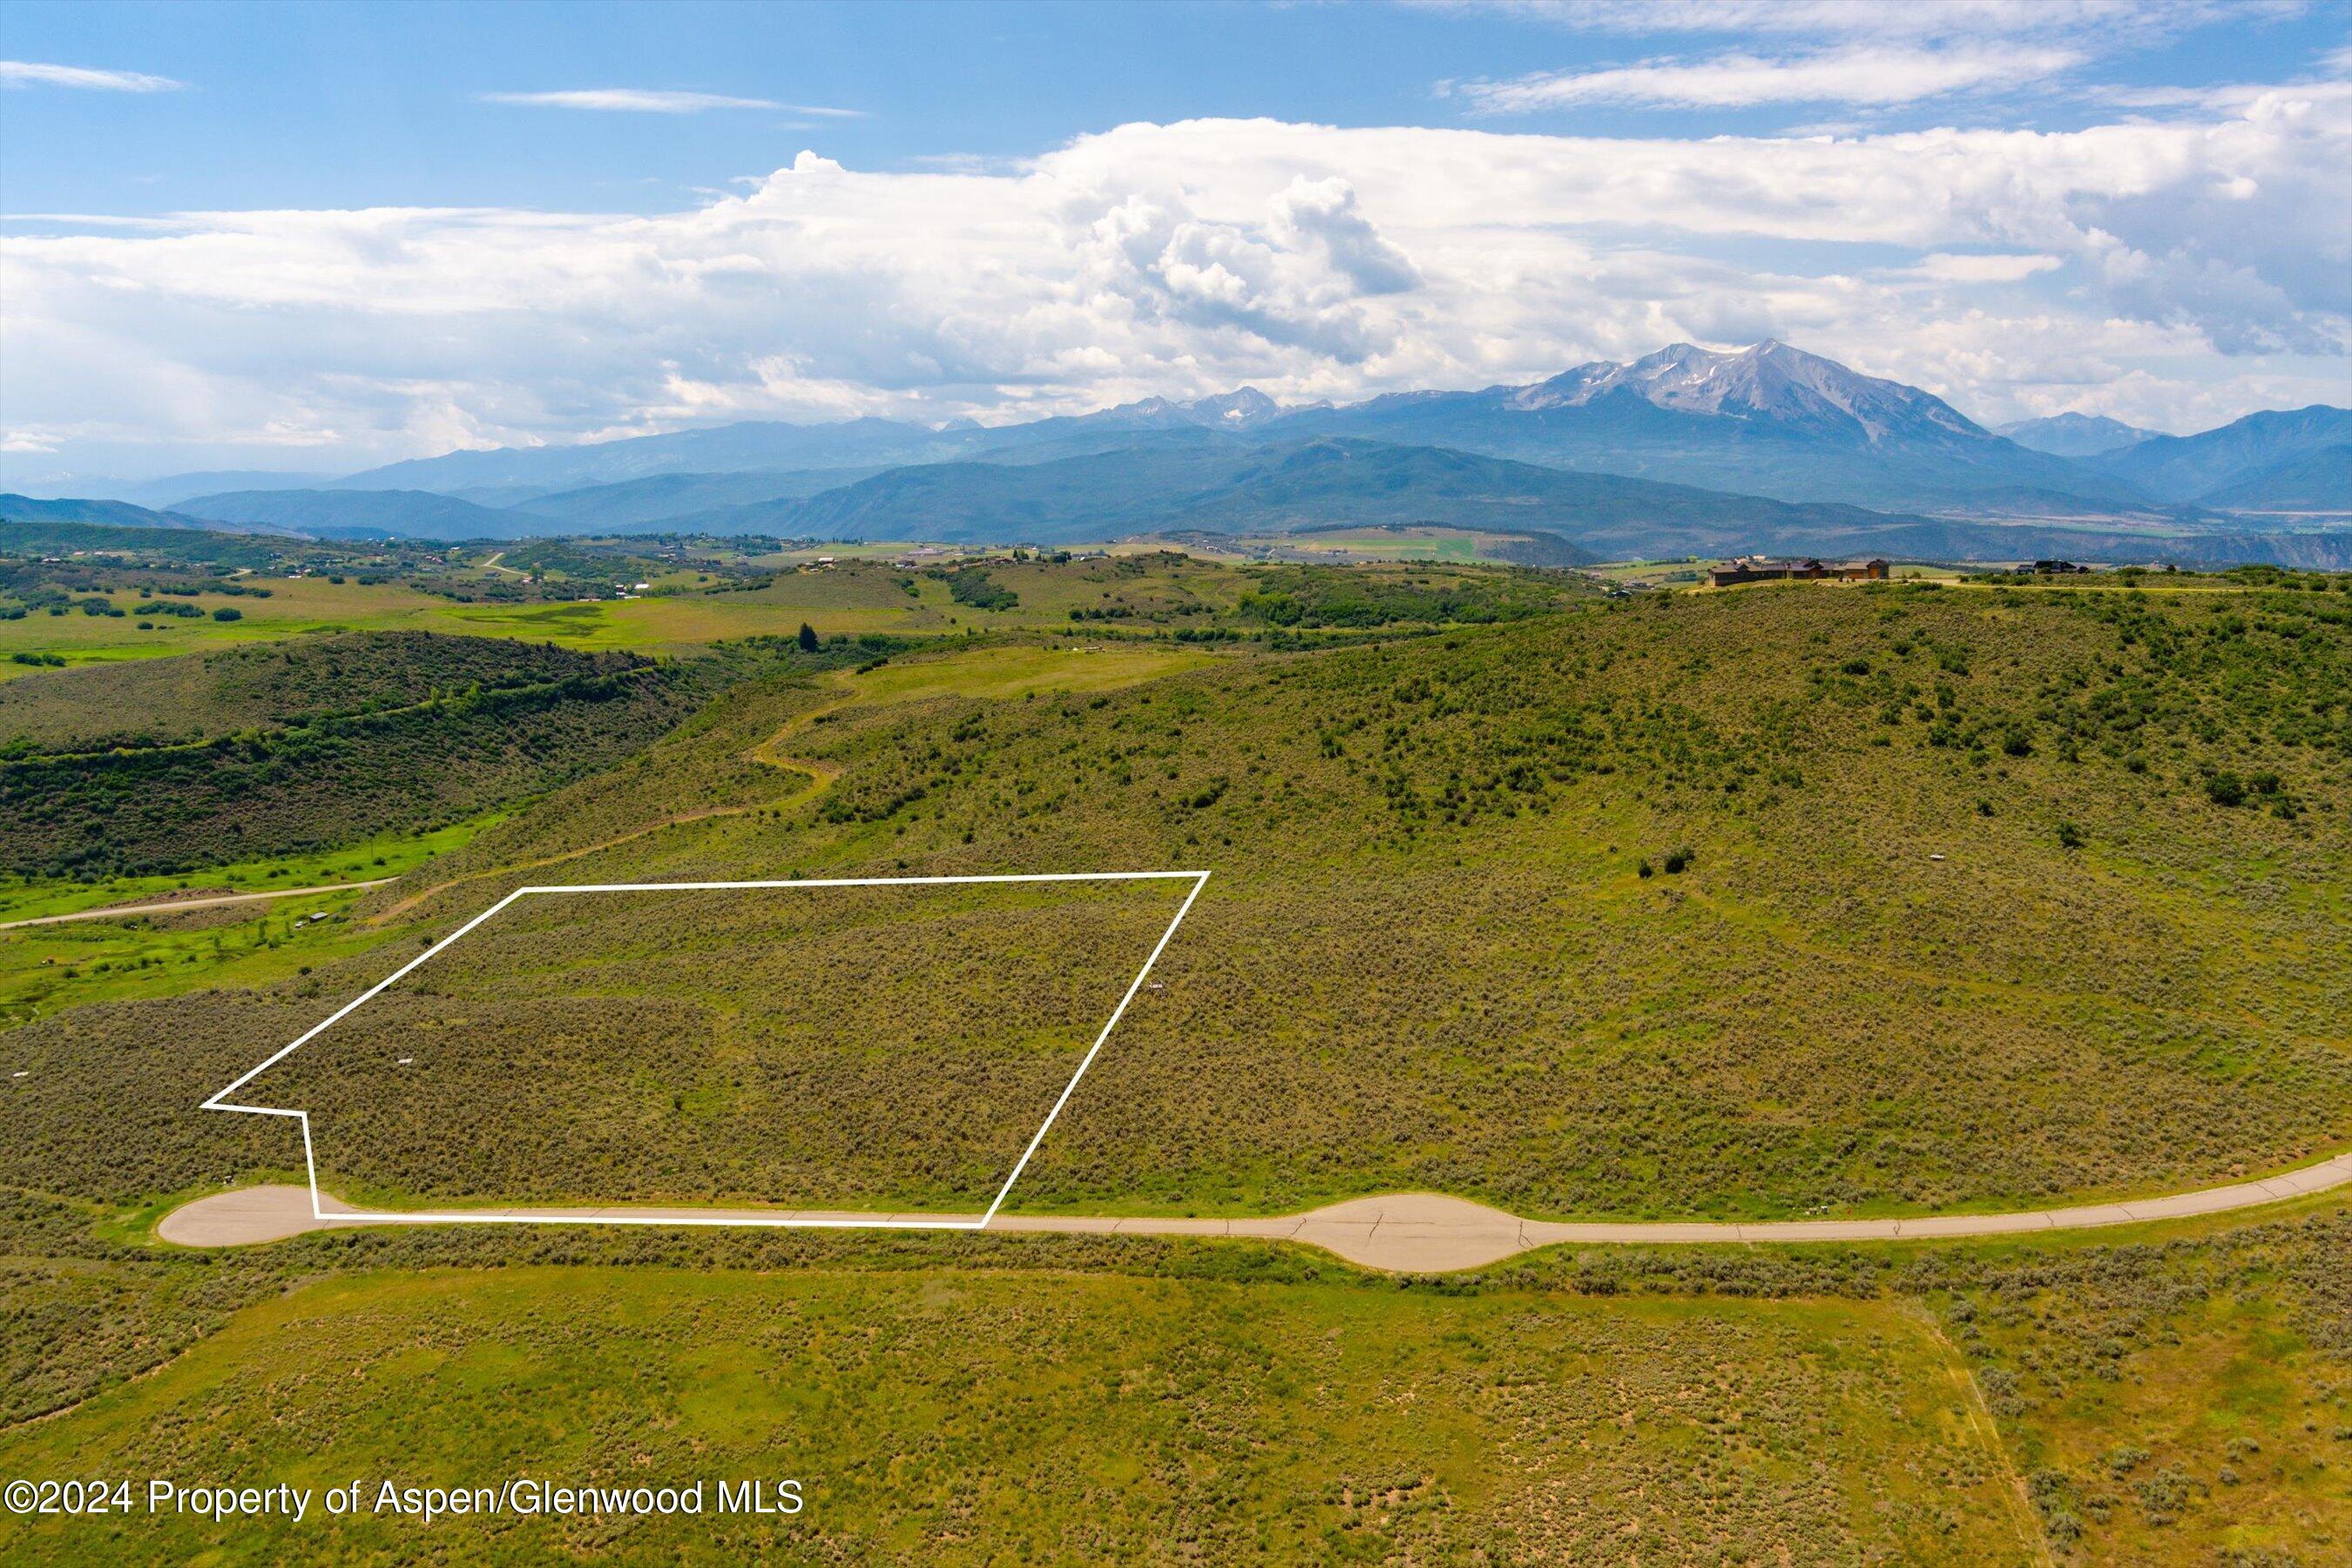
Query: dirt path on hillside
x=1416, y=1233
x=822, y=775
x=173, y=906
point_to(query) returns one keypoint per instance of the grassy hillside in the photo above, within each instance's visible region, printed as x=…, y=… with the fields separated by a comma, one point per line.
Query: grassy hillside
x=274, y=685
x=1432, y=953
x=306, y=745
x=773, y=1036
x=2174, y=1396
x=1953, y=897
x=1429, y=957
x=1076, y=1419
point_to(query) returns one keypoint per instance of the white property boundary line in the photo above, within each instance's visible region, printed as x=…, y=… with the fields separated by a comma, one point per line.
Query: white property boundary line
x=219, y=1101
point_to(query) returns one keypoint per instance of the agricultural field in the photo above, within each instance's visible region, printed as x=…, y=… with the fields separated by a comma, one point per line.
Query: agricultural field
x=1394, y=542
x=566, y=593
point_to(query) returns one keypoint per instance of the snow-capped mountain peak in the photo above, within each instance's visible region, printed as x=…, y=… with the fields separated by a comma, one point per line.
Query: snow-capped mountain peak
x=1769, y=383
x=1235, y=410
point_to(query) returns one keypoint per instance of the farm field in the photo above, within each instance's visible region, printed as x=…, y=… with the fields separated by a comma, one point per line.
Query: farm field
x=1124, y=593
x=1395, y=543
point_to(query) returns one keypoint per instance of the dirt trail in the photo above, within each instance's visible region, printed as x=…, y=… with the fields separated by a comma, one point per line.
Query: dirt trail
x=1417, y=1233
x=173, y=906
x=822, y=775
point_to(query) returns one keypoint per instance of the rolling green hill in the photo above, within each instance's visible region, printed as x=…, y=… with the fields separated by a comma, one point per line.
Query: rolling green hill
x=1789, y=900
x=305, y=744
x=1745, y=904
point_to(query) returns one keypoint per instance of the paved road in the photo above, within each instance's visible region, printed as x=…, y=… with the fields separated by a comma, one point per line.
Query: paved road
x=1417, y=1233
x=172, y=906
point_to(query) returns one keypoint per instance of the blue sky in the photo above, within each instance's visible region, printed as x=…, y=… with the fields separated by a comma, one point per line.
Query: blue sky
x=319, y=236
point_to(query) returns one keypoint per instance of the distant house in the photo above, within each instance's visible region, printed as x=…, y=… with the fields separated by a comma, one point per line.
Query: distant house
x=2057, y=568
x=1766, y=569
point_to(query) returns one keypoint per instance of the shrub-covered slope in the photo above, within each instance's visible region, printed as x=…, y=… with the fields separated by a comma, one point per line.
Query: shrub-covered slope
x=268, y=686
x=298, y=745
x=1761, y=903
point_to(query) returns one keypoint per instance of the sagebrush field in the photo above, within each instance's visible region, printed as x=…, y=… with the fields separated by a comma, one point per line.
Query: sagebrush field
x=1791, y=903
x=1769, y=903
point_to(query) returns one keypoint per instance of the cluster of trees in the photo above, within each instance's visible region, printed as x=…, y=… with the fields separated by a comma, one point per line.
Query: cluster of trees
x=972, y=585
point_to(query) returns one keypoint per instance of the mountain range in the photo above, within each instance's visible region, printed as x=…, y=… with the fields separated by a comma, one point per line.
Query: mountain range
x=2073, y=434
x=106, y=513
x=1770, y=420
x=1679, y=445
x=2260, y=463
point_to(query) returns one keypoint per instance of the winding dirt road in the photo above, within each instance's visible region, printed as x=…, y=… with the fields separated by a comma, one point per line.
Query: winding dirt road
x=1415, y=1232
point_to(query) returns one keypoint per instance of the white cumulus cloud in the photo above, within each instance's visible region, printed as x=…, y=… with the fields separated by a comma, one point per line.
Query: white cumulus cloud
x=2201, y=262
